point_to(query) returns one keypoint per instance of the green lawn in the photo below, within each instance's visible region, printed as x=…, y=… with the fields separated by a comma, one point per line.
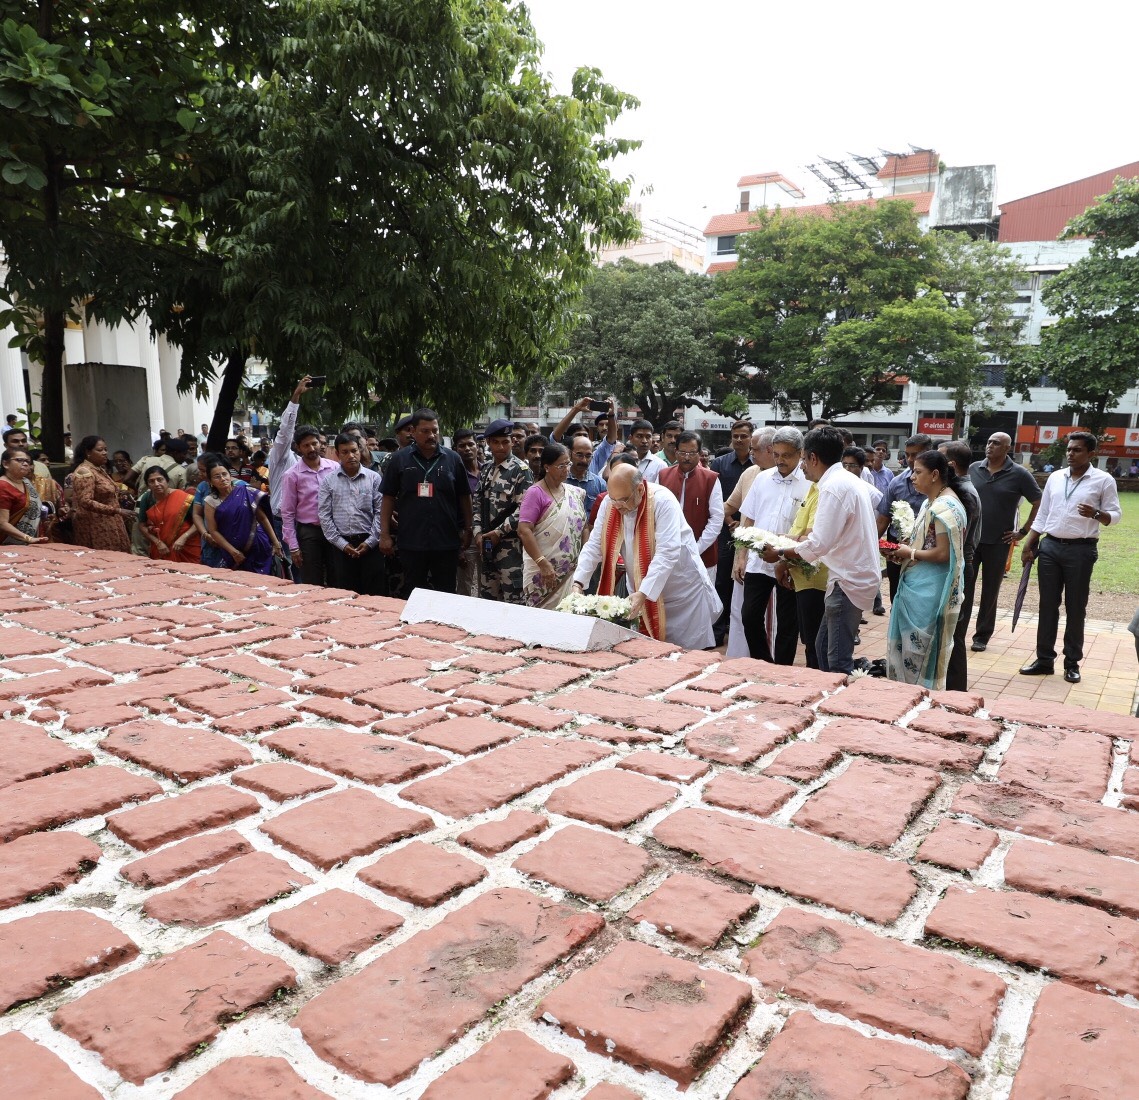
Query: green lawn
x=1118, y=567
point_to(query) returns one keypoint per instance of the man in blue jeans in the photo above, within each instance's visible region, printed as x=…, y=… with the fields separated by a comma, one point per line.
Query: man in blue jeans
x=845, y=540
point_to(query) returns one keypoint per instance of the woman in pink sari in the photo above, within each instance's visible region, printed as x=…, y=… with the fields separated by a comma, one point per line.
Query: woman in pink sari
x=550, y=523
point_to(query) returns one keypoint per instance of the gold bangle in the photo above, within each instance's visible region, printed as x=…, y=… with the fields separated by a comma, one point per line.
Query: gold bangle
x=538, y=561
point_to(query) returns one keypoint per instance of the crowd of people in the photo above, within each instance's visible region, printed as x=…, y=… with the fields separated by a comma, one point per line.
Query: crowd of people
x=510, y=514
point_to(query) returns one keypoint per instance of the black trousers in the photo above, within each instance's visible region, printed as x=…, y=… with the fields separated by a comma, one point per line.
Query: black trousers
x=429, y=569
x=757, y=594
x=989, y=561
x=893, y=575
x=1064, y=569
x=725, y=586
x=366, y=576
x=957, y=671
x=315, y=553
x=809, y=604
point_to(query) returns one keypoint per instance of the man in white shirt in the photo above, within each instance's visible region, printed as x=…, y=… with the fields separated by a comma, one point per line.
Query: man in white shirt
x=701, y=498
x=668, y=584
x=1076, y=504
x=771, y=503
x=641, y=437
x=845, y=539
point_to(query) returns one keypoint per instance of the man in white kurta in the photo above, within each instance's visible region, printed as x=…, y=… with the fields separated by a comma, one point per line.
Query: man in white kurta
x=676, y=576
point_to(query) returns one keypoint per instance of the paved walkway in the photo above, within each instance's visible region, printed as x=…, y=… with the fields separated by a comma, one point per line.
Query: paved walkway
x=259, y=839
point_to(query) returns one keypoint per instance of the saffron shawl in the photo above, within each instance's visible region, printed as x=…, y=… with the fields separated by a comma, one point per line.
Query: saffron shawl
x=638, y=558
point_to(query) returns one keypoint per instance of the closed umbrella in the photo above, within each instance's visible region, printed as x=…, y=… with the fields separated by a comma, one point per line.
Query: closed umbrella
x=1024, y=579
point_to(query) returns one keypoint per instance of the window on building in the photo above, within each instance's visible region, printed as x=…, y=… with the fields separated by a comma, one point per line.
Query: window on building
x=745, y=201
x=726, y=246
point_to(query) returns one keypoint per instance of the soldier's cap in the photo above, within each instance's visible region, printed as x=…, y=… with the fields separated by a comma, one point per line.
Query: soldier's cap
x=403, y=422
x=498, y=427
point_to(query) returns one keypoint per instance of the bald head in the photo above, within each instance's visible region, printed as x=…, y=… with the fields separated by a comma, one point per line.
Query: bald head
x=997, y=448
x=626, y=487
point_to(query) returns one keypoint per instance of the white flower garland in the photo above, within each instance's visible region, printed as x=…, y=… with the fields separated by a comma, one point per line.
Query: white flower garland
x=902, y=517
x=613, y=609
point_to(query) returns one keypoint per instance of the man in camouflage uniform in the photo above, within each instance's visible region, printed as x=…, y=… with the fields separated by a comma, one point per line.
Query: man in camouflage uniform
x=502, y=482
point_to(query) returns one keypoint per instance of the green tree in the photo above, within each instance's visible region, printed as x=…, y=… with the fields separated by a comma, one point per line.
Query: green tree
x=802, y=279
x=390, y=194
x=978, y=281
x=1091, y=351
x=648, y=338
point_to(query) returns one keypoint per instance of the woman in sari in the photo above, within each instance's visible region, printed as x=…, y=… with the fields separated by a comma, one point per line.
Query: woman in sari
x=240, y=529
x=550, y=523
x=924, y=613
x=98, y=514
x=19, y=501
x=170, y=526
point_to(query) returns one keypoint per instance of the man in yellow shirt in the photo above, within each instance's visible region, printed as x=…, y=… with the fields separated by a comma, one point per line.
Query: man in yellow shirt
x=809, y=590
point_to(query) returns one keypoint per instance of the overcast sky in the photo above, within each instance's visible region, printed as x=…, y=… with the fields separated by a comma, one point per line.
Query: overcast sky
x=728, y=88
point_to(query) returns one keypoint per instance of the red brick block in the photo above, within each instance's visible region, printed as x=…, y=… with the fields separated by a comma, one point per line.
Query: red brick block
x=542, y=677
x=255, y=721
x=52, y=800
x=487, y=664
x=356, y=679
x=53, y=620
x=956, y=727
x=140, y=692
x=1066, y=820
x=362, y=756
x=332, y=829
x=439, y=632
x=422, y=995
x=157, y=823
x=339, y=711
x=449, y=681
x=422, y=874
x=490, y=781
x=878, y=700
x=839, y=1062
x=144, y=1022
x=870, y=804
x=402, y=698
x=509, y=1065
x=30, y=752
x=910, y=991
x=742, y=737
x=963, y=702
x=803, y=761
x=705, y=699
x=466, y=735
x=676, y=769
x=281, y=782
x=857, y=737
x=1082, y=945
x=533, y=717
x=583, y=861
x=29, y=666
x=649, y=1009
x=780, y=694
x=1045, y=712
x=597, y=660
x=289, y=649
x=1059, y=763
x=186, y=858
x=333, y=926
x=639, y=648
x=717, y=683
x=646, y=677
x=491, y=644
x=611, y=706
x=464, y=708
x=695, y=911
x=30, y=1070
x=118, y=657
x=750, y=794
x=44, y=863
x=97, y=717
x=494, y=837
x=797, y=863
x=1061, y=872
x=1079, y=1045
x=958, y=845
x=615, y=735
x=51, y=950
x=496, y=695
x=52, y=684
x=236, y=888
x=233, y=699
x=788, y=675
x=409, y=723
x=613, y=798
x=1130, y=800
x=245, y=1077
x=178, y=752
x=26, y=643
x=248, y=666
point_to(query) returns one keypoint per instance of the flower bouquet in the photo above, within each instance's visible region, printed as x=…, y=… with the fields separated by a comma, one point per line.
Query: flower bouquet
x=613, y=609
x=885, y=546
x=757, y=539
x=902, y=517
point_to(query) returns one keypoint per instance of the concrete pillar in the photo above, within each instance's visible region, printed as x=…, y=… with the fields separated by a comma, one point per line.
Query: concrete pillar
x=148, y=359
x=12, y=395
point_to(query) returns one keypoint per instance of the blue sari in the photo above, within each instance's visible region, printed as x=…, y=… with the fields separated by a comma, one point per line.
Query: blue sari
x=236, y=519
x=924, y=612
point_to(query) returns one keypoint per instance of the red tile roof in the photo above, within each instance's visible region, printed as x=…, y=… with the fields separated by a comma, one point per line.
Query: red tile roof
x=742, y=222
x=912, y=164
x=721, y=265
x=1043, y=216
x=761, y=177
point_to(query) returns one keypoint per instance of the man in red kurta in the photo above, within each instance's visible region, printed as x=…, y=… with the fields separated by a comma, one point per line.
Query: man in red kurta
x=701, y=499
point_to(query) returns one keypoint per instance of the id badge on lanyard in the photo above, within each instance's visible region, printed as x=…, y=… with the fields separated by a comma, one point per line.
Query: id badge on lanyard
x=426, y=489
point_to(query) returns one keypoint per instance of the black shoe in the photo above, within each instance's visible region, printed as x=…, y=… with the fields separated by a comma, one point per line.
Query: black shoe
x=1072, y=674
x=979, y=647
x=879, y=611
x=864, y=621
x=1038, y=668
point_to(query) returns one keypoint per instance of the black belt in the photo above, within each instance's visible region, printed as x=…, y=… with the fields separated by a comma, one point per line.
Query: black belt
x=1073, y=542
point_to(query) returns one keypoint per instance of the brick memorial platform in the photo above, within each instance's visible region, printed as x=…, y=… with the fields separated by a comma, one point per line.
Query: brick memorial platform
x=259, y=839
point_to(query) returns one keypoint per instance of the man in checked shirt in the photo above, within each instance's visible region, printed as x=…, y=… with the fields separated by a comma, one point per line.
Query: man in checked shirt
x=349, y=506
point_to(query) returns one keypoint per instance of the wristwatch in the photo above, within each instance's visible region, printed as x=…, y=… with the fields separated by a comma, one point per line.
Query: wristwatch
x=1095, y=515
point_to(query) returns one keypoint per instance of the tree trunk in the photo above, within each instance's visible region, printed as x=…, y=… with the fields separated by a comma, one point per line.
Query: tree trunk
x=958, y=416
x=51, y=390
x=227, y=399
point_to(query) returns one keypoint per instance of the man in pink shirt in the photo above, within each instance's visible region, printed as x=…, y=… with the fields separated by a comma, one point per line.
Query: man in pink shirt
x=300, y=520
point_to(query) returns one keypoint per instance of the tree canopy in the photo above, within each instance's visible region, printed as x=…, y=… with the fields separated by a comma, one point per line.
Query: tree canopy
x=387, y=192
x=647, y=336
x=1091, y=351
